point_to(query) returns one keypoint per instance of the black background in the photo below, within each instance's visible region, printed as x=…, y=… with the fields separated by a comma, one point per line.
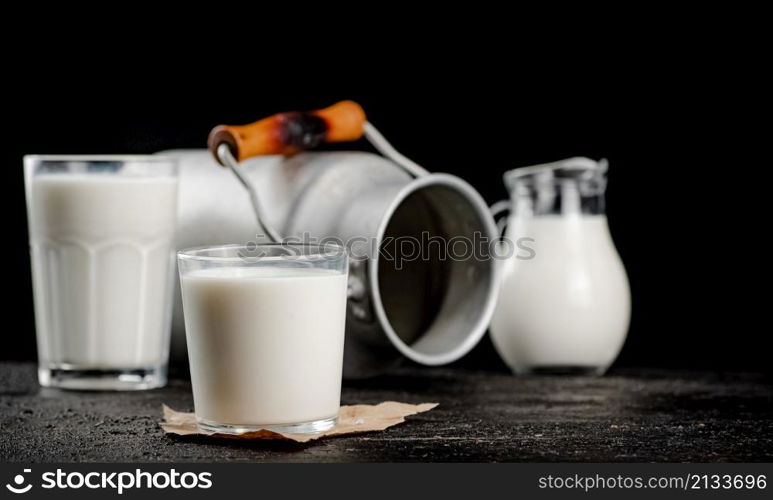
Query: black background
x=677, y=123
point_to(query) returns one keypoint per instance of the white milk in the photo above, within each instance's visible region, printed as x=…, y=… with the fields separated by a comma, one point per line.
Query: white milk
x=265, y=344
x=568, y=306
x=102, y=250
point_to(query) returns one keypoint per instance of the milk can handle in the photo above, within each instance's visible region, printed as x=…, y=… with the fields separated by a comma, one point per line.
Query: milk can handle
x=224, y=156
x=498, y=209
x=292, y=132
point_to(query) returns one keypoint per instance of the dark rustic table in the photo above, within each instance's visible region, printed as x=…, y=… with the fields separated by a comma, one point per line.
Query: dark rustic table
x=628, y=416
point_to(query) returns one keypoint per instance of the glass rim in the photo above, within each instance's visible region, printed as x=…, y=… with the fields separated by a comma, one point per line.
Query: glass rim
x=581, y=169
x=86, y=158
x=576, y=164
x=198, y=253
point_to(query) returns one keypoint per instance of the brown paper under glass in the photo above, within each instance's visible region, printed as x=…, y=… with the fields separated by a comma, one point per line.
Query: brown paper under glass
x=353, y=419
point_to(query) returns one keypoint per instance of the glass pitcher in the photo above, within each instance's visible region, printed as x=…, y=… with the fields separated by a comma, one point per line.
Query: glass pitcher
x=565, y=303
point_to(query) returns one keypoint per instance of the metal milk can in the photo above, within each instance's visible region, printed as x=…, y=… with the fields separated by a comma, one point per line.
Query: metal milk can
x=429, y=306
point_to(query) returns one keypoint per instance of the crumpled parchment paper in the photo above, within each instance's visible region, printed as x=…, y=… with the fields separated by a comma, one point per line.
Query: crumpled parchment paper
x=352, y=419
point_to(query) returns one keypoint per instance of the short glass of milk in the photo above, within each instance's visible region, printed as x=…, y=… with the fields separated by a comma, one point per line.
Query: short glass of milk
x=102, y=249
x=265, y=334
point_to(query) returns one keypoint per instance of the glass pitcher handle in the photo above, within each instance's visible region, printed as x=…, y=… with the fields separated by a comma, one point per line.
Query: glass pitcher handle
x=497, y=209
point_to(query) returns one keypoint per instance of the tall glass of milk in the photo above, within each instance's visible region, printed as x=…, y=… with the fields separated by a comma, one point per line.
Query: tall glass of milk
x=101, y=234
x=265, y=331
x=565, y=303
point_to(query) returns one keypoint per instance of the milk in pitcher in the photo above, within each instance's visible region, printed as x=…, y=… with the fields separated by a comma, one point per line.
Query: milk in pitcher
x=565, y=307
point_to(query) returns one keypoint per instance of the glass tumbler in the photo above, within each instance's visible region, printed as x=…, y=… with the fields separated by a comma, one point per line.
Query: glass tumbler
x=265, y=331
x=101, y=234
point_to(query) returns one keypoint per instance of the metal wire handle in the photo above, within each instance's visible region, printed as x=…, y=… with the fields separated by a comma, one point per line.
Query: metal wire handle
x=371, y=134
x=224, y=153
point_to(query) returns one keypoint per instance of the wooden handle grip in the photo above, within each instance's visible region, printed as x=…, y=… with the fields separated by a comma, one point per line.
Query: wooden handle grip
x=292, y=132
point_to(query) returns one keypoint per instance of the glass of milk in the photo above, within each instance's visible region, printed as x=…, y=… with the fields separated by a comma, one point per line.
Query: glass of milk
x=564, y=304
x=265, y=331
x=101, y=234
